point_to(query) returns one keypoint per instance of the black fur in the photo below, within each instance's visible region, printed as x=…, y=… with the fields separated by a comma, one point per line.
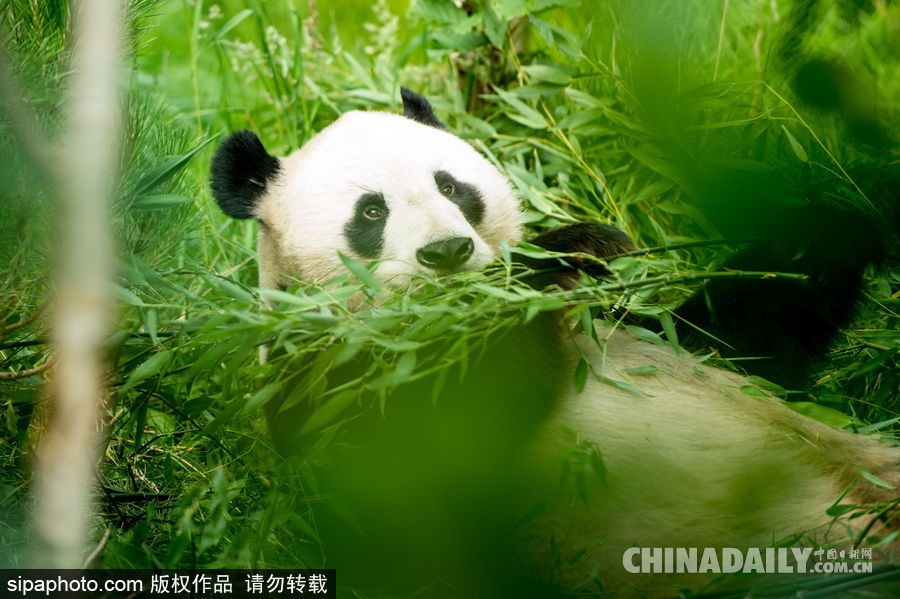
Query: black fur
x=595, y=239
x=429, y=480
x=241, y=170
x=417, y=108
x=464, y=195
x=788, y=324
x=365, y=234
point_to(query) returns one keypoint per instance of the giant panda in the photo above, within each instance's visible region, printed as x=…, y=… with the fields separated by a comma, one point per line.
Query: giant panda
x=462, y=496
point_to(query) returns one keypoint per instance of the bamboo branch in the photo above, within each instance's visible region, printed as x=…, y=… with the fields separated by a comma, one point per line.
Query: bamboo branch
x=97, y=550
x=701, y=276
x=679, y=246
x=4, y=328
x=21, y=374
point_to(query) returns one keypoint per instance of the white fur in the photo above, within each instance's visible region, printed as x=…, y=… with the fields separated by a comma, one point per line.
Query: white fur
x=688, y=465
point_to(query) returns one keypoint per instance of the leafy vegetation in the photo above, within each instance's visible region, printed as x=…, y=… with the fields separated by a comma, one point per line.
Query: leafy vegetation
x=670, y=121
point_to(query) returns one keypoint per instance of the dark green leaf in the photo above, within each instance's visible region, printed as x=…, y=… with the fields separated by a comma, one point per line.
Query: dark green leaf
x=168, y=169
x=261, y=397
x=531, y=514
x=581, y=375
x=150, y=367
x=151, y=203
x=598, y=466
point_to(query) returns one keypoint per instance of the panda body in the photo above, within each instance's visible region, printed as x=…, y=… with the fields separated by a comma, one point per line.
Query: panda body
x=688, y=460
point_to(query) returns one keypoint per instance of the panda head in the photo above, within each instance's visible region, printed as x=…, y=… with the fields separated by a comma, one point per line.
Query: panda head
x=374, y=186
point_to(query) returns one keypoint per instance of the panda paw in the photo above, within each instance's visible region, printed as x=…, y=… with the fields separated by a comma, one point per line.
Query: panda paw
x=594, y=239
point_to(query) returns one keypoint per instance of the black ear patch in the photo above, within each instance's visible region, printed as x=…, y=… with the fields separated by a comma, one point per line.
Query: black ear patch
x=417, y=108
x=241, y=169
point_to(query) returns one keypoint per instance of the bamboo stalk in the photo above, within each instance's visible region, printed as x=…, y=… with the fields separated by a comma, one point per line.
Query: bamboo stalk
x=84, y=303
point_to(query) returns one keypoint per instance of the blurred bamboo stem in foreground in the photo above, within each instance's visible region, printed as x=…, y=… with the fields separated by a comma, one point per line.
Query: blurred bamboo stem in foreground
x=85, y=169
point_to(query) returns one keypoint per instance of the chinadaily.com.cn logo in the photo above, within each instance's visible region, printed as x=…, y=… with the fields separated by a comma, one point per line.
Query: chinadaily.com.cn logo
x=782, y=560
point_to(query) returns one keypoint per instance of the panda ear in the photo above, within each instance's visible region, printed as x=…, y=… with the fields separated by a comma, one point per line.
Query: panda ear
x=417, y=108
x=241, y=170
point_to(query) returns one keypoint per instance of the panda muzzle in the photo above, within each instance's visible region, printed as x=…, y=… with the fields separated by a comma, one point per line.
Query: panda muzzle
x=447, y=254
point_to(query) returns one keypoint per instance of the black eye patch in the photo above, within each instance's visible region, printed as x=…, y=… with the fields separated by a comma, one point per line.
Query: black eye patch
x=464, y=195
x=365, y=231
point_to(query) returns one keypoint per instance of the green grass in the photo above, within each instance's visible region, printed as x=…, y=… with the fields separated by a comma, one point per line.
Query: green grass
x=644, y=118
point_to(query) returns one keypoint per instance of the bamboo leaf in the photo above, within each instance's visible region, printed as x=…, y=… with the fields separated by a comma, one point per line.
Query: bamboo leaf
x=665, y=319
x=875, y=480
x=581, y=375
x=151, y=203
x=360, y=272
x=168, y=169
x=795, y=145
x=494, y=25
x=227, y=27
x=531, y=514
x=528, y=116
x=148, y=368
x=261, y=397
x=821, y=413
x=550, y=73
x=753, y=391
x=438, y=12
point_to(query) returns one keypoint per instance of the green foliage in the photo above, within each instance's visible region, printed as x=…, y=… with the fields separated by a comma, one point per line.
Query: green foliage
x=612, y=111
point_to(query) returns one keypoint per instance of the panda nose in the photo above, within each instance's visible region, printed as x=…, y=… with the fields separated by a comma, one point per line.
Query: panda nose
x=446, y=254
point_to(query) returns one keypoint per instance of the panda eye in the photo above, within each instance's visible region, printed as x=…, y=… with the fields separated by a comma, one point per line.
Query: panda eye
x=448, y=190
x=373, y=213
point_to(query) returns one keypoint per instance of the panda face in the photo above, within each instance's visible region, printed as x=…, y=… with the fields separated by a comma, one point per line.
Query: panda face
x=373, y=186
